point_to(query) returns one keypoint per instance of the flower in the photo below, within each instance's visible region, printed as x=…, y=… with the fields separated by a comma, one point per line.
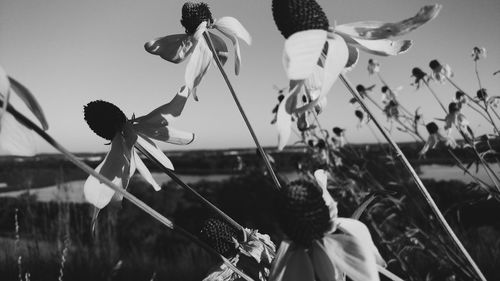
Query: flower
x=481, y=94
x=15, y=138
x=391, y=110
x=364, y=92
x=316, y=53
x=361, y=117
x=373, y=66
x=248, y=249
x=338, y=137
x=110, y=123
x=440, y=72
x=197, y=19
x=319, y=245
x=435, y=137
x=419, y=75
x=457, y=119
x=460, y=98
x=478, y=53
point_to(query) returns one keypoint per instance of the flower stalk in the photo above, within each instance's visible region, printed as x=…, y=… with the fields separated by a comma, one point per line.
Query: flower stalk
x=134, y=200
x=242, y=112
x=416, y=179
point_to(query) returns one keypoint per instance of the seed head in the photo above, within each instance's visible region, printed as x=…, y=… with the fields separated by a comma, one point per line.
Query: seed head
x=104, y=118
x=337, y=131
x=418, y=73
x=193, y=14
x=453, y=107
x=482, y=94
x=432, y=128
x=304, y=214
x=435, y=65
x=293, y=16
x=459, y=95
x=219, y=235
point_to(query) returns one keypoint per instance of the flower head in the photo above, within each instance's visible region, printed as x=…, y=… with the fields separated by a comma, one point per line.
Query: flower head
x=319, y=245
x=435, y=137
x=478, y=53
x=373, y=66
x=439, y=72
x=15, y=138
x=455, y=118
x=109, y=122
x=197, y=19
x=338, y=137
x=481, y=94
x=460, y=98
x=316, y=53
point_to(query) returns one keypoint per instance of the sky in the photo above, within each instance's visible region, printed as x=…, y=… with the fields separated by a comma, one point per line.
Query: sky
x=70, y=52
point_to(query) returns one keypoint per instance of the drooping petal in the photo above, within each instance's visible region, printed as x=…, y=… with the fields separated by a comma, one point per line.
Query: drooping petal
x=230, y=25
x=15, y=139
x=116, y=167
x=197, y=66
x=301, y=53
x=374, y=30
x=280, y=262
x=359, y=230
x=299, y=266
x=381, y=47
x=29, y=99
x=323, y=267
x=152, y=149
x=144, y=171
x=237, y=53
x=352, y=59
x=283, y=124
x=351, y=256
x=173, y=48
x=4, y=91
x=220, y=47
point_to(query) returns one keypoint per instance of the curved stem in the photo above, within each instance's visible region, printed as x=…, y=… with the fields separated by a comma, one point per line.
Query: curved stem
x=240, y=108
x=134, y=200
x=418, y=182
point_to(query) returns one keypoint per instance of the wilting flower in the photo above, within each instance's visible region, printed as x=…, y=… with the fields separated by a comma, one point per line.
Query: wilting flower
x=316, y=53
x=389, y=95
x=319, y=245
x=197, y=19
x=460, y=98
x=373, y=66
x=275, y=109
x=391, y=110
x=110, y=123
x=439, y=72
x=455, y=118
x=419, y=75
x=248, y=250
x=478, y=53
x=364, y=92
x=435, y=137
x=482, y=95
x=15, y=138
x=338, y=137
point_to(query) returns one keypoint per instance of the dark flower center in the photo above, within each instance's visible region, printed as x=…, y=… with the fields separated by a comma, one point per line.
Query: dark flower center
x=359, y=114
x=459, y=95
x=293, y=16
x=432, y=128
x=453, y=107
x=384, y=89
x=193, y=14
x=219, y=235
x=360, y=88
x=303, y=212
x=337, y=131
x=482, y=94
x=435, y=65
x=104, y=118
x=418, y=73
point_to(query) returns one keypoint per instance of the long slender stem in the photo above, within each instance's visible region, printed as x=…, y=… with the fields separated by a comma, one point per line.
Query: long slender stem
x=435, y=95
x=242, y=112
x=393, y=93
x=193, y=192
x=417, y=181
x=134, y=200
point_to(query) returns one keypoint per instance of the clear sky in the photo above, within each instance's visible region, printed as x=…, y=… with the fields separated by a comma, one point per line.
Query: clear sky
x=70, y=52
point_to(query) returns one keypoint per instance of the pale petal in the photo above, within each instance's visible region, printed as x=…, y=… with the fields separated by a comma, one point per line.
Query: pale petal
x=352, y=58
x=230, y=25
x=4, y=91
x=323, y=267
x=115, y=167
x=321, y=177
x=301, y=53
x=380, y=30
x=220, y=47
x=351, y=256
x=152, y=149
x=29, y=99
x=144, y=171
x=166, y=112
x=283, y=123
x=166, y=134
x=197, y=66
x=280, y=261
x=381, y=47
x=173, y=48
x=299, y=267
x=16, y=139
x=359, y=230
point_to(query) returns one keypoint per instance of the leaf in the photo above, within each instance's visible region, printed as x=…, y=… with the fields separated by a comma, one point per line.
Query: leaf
x=301, y=53
x=173, y=48
x=29, y=99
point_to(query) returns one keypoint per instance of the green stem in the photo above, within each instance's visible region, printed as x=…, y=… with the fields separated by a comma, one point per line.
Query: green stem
x=242, y=112
x=134, y=200
x=418, y=182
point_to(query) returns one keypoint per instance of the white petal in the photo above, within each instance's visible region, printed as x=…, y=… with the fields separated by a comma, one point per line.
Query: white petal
x=230, y=25
x=373, y=30
x=321, y=177
x=197, y=66
x=352, y=58
x=144, y=171
x=29, y=99
x=173, y=48
x=323, y=267
x=280, y=261
x=301, y=53
x=152, y=149
x=168, y=111
x=283, y=123
x=4, y=91
x=237, y=52
x=15, y=139
x=220, y=47
x=116, y=167
x=299, y=267
x=381, y=47
x=351, y=256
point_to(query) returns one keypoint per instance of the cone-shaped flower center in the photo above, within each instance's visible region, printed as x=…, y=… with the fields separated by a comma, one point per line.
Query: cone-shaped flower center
x=432, y=128
x=435, y=65
x=359, y=114
x=104, y=118
x=459, y=95
x=418, y=73
x=384, y=89
x=193, y=14
x=298, y=15
x=219, y=235
x=303, y=211
x=360, y=88
x=453, y=107
x=482, y=94
x=337, y=131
